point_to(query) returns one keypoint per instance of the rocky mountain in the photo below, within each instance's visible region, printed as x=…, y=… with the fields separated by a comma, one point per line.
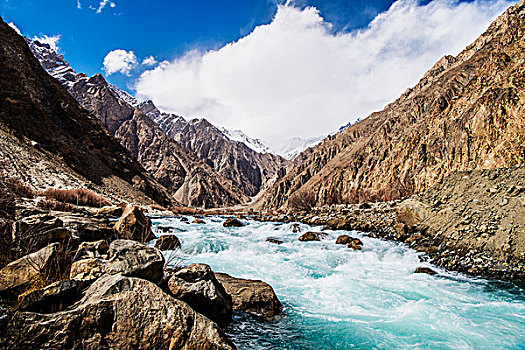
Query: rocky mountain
x=190, y=180
x=47, y=139
x=247, y=168
x=465, y=113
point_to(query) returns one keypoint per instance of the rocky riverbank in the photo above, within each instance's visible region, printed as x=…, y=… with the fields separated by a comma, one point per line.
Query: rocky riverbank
x=86, y=279
x=472, y=222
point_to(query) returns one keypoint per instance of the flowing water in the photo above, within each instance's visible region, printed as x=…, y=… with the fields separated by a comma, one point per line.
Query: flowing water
x=337, y=298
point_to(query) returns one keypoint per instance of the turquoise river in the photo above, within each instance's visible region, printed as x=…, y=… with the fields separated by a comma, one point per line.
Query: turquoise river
x=338, y=298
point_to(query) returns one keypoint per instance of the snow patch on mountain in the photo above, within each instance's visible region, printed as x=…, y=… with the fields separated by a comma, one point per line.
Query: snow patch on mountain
x=237, y=135
x=294, y=146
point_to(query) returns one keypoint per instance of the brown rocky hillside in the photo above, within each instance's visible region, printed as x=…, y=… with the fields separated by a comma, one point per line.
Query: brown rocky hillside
x=467, y=112
x=47, y=139
x=178, y=169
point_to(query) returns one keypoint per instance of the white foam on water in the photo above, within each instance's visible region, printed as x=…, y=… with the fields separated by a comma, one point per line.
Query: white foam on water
x=337, y=298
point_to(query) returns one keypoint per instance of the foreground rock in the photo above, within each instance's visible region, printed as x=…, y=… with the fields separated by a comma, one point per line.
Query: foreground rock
x=197, y=286
x=30, y=269
x=133, y=224
x=53, y=298
x=252, y=296
x=117, y=313
x=167, y=242
x=125, y=257
x=312, y=236
x=233, y=222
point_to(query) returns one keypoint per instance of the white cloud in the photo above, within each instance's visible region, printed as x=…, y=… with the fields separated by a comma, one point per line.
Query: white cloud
x=79, y=5
x=121, y=61
x=102, y=4
x=12, y=25
x=52, y=41
x=294, y=77
x=149, y=61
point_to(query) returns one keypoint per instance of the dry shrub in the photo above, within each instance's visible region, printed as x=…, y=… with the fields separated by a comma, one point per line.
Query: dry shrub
x=302, y=200
x=18, y=188
x=7, y=204
x=76, y=196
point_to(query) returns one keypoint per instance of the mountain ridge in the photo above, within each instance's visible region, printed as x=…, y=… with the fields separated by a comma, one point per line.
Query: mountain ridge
x=463, y=114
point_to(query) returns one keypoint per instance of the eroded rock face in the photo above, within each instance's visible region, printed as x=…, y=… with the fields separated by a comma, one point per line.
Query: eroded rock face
x=133, y=224
x=20, y=274
x=252, y=296
x=464, y=114
x=53, y=298
x=125, y=257
x=197, y=286
x=117, y=313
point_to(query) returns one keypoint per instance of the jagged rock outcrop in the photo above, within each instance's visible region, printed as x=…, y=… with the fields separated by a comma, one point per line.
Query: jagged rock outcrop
x=196, y=285
x=188, y=178
x=250, y=170
x=465, y=113
x=47, y=139
x=117, y=313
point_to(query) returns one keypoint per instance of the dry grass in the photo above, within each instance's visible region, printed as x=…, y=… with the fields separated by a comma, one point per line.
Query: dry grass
x=77, y=196
x=18, y=188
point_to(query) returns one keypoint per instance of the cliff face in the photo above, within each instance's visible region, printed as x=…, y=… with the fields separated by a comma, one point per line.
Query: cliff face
x=48, y=139
x=179, y=170
x=465, y=113
x=250, y=170
x=190, y=180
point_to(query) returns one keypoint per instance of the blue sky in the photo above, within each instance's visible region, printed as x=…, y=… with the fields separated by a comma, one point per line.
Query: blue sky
x=163, y=29
x=272, y=68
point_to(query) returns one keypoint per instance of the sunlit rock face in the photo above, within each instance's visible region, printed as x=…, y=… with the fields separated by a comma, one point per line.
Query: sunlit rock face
x=465, y=113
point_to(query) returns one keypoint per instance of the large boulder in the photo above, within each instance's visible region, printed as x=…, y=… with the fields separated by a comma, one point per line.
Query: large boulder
x=197, y=286
x=411, y=212
x=167, y=242
x=312, y=236
x=126, y=257
x=21, y=274
x=91, y=250
x=53, y=298
x=117, y=312
x=35, y=232
x=252, y=296
x=233, y=222
x=133, y=224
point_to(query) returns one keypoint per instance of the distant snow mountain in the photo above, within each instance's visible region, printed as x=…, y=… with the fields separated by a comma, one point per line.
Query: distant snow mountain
x=294, y=146
x=255, y=144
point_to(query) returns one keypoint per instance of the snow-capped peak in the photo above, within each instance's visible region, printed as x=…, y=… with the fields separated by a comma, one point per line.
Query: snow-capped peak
x=237, y=135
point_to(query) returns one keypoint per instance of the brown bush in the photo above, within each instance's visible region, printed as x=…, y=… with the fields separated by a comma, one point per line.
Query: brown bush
x=18, y=188
x=77, y=196
x=302, y=201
